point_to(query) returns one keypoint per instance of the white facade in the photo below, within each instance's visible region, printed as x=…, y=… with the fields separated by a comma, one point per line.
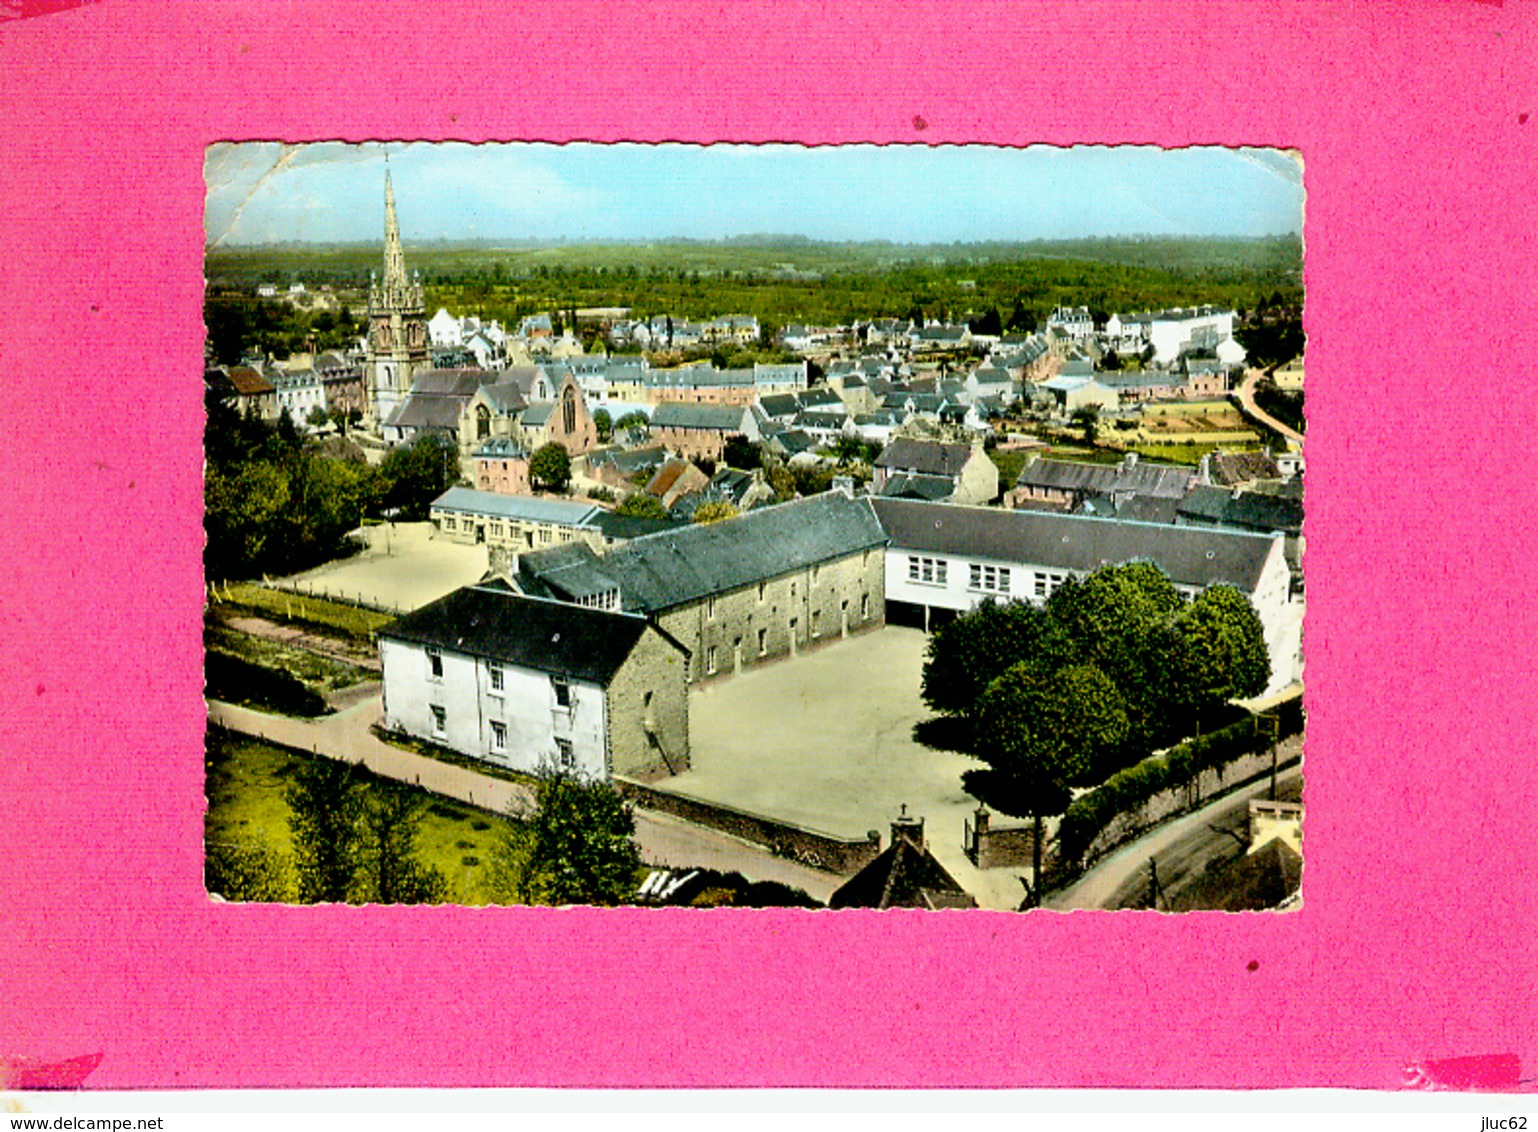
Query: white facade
x=513, y=717
x=443, y=329
x=1172, y=331
x=961, y=582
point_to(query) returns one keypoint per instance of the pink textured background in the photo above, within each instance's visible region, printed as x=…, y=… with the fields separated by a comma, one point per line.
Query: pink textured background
x=1417, y=940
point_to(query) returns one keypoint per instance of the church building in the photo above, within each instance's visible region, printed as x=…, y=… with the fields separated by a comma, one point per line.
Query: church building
x=396, y=350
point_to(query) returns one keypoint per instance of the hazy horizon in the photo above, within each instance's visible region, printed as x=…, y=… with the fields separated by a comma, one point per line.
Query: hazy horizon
x=264, y=193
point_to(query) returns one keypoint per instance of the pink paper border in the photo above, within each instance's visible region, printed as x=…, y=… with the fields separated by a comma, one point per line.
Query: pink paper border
x=1416, y=942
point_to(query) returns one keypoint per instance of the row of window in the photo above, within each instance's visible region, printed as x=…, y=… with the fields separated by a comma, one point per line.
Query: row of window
x=982, y=578
x=565, y=754
x=496, y=679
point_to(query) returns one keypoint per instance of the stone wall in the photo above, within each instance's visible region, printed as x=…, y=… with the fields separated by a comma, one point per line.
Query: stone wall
x=993, y=846
x=788, y=614
x=843, y=856
x=648, y=702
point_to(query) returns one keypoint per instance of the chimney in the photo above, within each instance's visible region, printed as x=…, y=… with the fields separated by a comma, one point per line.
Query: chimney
x=844, y=484
x=910, y=829
x=1204, y=472
x=1129, y=460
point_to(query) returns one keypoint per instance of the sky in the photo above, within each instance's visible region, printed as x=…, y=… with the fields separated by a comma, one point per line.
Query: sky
x=264, y=192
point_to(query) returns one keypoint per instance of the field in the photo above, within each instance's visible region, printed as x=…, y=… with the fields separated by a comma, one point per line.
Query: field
x=245, y=780
x=348, y=620
x=322, y=674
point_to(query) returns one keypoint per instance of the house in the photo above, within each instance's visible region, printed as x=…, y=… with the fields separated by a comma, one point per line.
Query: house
x=1068, y=483
x=769, y=583
x=1071, y=393
x=699, y=385
x=1238, y=469
x=971, y=475
x=535, y=685
x=939, y=339
x=443, y=329
x=501, y=467
x=1074, y=323
x=618, y=468
x=253, y=393
x=700, y=431
x=674, y=480
x=944, y=559
x=905, y=875
x=1174, y=332
x=509, y=523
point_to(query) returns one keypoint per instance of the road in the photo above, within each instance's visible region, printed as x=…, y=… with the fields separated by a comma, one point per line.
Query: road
x=663, y=840
x=1246, y=395
x=1182, y=848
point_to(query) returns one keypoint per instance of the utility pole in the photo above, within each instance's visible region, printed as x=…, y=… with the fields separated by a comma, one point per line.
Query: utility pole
x=1154, y=893
x=1273, y=729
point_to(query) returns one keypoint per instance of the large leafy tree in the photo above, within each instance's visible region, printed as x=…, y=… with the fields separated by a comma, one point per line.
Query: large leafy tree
x=550, y=467
x=413, y=475
x=1040, y=732
x=1223, y=651
x=715, y=510
x=579, y=849
x=642, y=505
x=325, y=801
x=971, y=652
x=389, y=871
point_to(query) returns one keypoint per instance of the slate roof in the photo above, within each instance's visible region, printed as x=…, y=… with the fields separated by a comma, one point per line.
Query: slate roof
x=537, y=414
x=784, y=405
x=903, y=876
x=1191, y=556
x=906, y=486
x=720, y=418
x=629, y=461
x=506, y=396
x=528, y=508
x=568, y=572
x=663, y=571
x=1252, y=510
x=1228, y=468
x=1163, y=481
x=926, y=457
x=627, y=527
x=572, y=641
x=500, y=448
x=821, y=398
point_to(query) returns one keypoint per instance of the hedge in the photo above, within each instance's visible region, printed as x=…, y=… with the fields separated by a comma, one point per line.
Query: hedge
x=1127, y=789
x=234, y=680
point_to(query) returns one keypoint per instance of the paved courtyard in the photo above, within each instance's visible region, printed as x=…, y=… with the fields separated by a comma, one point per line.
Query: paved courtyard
x=403, y=567
x=825, y=741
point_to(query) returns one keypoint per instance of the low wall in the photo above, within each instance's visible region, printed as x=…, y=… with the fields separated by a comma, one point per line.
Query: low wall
x=844, y=856
x=1131, y=823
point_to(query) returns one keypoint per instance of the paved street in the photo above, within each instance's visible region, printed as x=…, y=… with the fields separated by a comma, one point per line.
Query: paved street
x=1182, y=848
x=663, y=840
x=1246, y=394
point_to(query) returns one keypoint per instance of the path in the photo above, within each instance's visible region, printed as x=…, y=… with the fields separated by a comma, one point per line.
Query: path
x=1246, y=395
x=663, y=840
x=1099, y=887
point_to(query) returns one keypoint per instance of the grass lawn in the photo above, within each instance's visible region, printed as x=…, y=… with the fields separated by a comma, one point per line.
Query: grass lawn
x=1188, y=453
x=245, y=780
x=318, y=672
x=331, y=616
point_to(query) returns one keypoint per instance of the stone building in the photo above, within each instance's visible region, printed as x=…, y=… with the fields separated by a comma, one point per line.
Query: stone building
x=535, y=685
x=397, y=325
x=766, y=584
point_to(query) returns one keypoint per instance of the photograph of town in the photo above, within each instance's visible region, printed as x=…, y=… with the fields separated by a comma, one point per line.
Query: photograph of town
x=755, y=526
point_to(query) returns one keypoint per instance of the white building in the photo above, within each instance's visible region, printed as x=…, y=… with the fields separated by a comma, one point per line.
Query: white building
x=536, y=685
x=1173, y=332
x=945, y=559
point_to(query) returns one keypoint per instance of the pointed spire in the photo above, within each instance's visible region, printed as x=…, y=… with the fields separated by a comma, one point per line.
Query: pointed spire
x=394, y=258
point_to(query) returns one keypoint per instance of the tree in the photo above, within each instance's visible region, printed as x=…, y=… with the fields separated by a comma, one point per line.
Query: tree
x=388, y=869
x=1039, y=733
x=580, y=847
x=1223, y=649
x=642, y=505
x=550, y=467
x=740, y=452
x=411, y=477
x=1087, y=417
x=252, y=872
x=632, y=419
x=325, y=801
x=715, y=510
x=964, y=657
x=604, y=423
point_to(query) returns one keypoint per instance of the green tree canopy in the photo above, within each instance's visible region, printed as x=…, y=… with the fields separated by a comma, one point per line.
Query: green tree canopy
x=580, y=847
x=968, y=654
x=325, y=801
x=413, y=475
x=604, y=423
x=1223, y=653
x=642, y=505
x=388, y=869
x=715, y=510
x=550, y=467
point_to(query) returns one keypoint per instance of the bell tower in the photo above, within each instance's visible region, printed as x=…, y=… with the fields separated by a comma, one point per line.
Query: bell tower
x=397, y=324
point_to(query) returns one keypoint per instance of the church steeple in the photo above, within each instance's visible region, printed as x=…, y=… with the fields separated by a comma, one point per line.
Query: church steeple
x=394, y=257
